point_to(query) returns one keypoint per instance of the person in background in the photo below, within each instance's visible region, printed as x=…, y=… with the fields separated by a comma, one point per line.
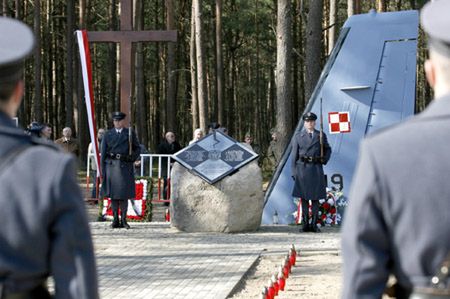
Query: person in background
x=223, y=130
x=248, y=141
x=69, y=144
x=213, y=126
x=273, y=152
x=93, y=165
x=46, y=131
x=168, y=147
x=146, y=160
x=45, y=231
x=34, y=129
x=198, y=134
x=397, y=221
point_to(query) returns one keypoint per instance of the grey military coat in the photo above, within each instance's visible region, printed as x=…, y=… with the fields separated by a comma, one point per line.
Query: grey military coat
x=118, y=174
x=398, y=218
x=309, y=177
x=44, y=230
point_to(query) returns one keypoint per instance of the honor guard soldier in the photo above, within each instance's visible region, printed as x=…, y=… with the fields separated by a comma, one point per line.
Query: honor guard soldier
x=308, y=156
x=118, y=167
x=397, y=222
x=45, y=231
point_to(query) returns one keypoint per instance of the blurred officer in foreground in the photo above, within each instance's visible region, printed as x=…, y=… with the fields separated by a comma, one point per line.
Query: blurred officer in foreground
x=307, y=169
x=398, y=218
x=118, y=168
x=44, y=225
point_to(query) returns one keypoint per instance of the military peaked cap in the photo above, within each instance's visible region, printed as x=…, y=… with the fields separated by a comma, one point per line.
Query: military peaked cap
x=309, y=116
x=16, y=43
x=435, y=21
x=118, y=115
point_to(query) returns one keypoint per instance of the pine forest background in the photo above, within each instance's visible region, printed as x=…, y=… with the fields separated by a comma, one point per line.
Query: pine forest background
x=250, y=65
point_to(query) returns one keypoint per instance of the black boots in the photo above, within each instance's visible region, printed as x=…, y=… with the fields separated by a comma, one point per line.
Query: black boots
x=124, y=220
x=305, y=222
x=123, y=214
x=314, y=227
x=310, y=227
x=115, y=223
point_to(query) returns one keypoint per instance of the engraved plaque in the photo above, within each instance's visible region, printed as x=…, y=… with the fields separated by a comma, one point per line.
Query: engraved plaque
x=215, y=156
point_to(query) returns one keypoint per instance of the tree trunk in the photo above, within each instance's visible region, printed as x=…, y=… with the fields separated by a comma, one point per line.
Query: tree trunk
x=23, y=121
x=313, y=48
x=171, y=74
x=157, y=96
x=202, y=104
x=141, y=105
x=69, y=65
x=353, y=7
x=113, y=96
x=194, y=103
x=38, y=114
x=297, y=42
x=381, y=5
x=333, y=25
x=219, y=64
x=283, y=71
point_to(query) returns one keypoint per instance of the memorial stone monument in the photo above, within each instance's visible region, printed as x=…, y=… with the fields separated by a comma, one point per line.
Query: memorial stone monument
x=216, y=187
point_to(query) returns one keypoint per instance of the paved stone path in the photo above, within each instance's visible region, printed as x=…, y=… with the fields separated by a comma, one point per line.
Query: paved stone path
x=152, y=260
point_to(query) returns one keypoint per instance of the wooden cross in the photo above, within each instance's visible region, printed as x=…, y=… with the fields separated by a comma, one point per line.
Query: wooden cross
x=126, y=36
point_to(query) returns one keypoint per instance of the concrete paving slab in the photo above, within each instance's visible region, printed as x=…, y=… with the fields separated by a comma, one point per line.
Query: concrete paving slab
x=152, y=260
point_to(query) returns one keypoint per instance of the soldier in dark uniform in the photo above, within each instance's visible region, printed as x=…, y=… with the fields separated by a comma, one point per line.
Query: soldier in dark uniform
x=118, y=168
x=397, y=222
x=44, y=232
x=307, y=169
x=168, y=147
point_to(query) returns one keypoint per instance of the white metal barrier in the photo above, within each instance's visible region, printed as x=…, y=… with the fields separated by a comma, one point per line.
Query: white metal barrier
x=147, y=162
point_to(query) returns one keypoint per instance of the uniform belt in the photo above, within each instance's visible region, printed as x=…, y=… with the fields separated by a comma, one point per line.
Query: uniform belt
x=39, y=292
x=307, y=159
x=120, y=157
x=115, y=156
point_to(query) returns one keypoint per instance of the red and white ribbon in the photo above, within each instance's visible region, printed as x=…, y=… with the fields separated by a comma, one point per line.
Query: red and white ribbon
x=86, y=69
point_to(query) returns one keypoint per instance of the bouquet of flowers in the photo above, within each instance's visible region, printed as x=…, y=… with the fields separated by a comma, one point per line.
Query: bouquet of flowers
x=341, y=204
x=327, y=210
x=331, y=209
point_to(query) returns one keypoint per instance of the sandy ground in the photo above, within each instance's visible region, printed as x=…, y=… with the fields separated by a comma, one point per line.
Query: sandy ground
x=316, y=275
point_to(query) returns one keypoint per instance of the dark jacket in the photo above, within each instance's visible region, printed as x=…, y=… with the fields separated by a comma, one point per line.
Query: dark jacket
x=397, y=221
x=309, y=177
x=118, y=172
x=45, y=230
x=166, y=148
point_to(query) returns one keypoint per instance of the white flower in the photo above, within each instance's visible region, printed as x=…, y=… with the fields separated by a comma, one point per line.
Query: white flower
x=331, y=201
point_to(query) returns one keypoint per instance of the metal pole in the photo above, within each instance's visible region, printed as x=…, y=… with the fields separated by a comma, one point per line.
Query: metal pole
x=321, y=130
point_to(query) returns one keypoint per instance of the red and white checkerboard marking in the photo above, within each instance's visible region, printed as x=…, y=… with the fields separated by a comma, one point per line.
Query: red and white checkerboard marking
x=339, y=122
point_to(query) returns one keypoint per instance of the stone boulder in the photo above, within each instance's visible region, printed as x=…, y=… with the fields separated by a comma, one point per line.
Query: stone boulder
x=233, y=204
